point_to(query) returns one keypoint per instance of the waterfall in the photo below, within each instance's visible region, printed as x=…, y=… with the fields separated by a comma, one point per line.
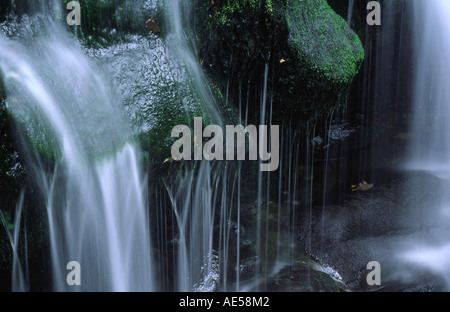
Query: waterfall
x=180, y=44
x=430, y=147
x=185, y=232
x=20, y=277
x=95, y=193
x=199, y=193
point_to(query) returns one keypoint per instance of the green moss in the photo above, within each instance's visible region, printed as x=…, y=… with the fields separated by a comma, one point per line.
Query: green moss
x=224, y=10
x=178, y=109
x=322, y=41
x=235, y=36
x=269, y=7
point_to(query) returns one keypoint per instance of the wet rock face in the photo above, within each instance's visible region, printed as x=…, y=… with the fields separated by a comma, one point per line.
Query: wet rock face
x=15, y=178
x=384, y=225
x=11, y=169
x=102, y=22
x=4, y=10
x=11, y=176
x=312, y=54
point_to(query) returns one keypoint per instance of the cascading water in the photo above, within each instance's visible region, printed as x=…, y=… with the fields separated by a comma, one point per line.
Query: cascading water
x=431, y=146
x=94, y=217
x=96, y=195
x=351, y=4
x=20, y=277
x=430, y=151
x=199, y=193
x=179, y=45
x=206, y=198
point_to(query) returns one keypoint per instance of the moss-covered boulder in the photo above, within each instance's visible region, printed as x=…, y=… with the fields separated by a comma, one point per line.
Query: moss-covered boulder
x=157, y=90
x=323, y=42
x=312, y=54
x=324, y=48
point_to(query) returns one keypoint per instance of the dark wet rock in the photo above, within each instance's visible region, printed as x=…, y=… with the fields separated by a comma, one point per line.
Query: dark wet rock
x=382, y=225
x=156, y=90
x=5, y=261
x=248, y=268
x=15, y=178
x=301, y=278
x=305, y=275
x=11, y=178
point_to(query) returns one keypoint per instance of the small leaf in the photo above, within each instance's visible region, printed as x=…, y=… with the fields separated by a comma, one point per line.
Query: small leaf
x=169, y=160
x=152, y=26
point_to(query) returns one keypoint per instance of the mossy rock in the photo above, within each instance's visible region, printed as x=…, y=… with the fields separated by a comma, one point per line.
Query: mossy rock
x=312, y=54
x=158, y=92
x=323, y=42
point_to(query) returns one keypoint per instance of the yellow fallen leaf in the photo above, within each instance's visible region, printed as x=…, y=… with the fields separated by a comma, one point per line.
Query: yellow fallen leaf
x=282, y=61
x=363, y=186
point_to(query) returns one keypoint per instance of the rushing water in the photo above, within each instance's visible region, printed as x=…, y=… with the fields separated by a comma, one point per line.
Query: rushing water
x=198, y=194
x=206, y=199
x=94, y=218
x=351, y=4
x=431, y=143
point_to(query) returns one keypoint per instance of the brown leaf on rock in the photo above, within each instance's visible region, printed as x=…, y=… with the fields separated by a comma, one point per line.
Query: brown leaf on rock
x=363, y=186
x=152, y=26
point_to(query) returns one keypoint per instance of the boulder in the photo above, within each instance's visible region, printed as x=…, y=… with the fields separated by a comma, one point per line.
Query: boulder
x=312, y=54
